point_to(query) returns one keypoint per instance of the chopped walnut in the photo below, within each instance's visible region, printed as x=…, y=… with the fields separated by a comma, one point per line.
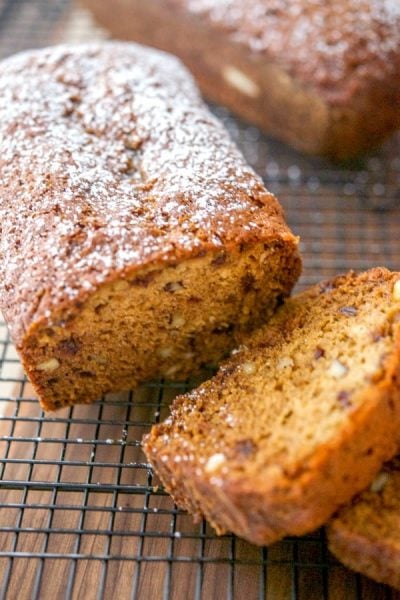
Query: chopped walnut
x=48, y=365
x=379, y=482
x=249, y=368
x=173, y=286
x=178, y=321
x=337, y=369
x=240, y=81
x=396, y=291
x=165, y=352
x=171, y=371
x=214, y=462
x=285, y=363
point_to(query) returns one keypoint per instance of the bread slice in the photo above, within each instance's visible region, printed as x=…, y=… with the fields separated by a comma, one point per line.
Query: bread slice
x=142, y=244
x=365, y=535
x=298, y=421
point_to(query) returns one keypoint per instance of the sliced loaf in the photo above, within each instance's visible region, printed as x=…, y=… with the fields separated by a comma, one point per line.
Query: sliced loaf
x=298, y=421
x=365, y=535
x=135, y=241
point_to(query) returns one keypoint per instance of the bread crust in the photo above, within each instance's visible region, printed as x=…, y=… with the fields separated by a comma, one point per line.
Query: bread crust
x=310, y=74
x=282, y=498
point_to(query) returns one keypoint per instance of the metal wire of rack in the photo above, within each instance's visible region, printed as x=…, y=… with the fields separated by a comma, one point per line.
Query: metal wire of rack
x=81, y=514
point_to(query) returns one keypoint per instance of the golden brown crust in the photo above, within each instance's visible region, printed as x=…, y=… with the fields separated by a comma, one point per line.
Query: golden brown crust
x=262, y=489
x=311, y=73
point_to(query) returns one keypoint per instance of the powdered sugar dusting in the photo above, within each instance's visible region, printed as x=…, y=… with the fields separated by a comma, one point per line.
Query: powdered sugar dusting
x=337, y=46
x=109, y=159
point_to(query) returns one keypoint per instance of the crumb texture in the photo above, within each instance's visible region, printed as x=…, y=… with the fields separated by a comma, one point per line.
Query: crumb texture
x=287, y=430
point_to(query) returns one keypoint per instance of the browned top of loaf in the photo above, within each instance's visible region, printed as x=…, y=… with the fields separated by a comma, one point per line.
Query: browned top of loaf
x=111, y=162
x=338, y=46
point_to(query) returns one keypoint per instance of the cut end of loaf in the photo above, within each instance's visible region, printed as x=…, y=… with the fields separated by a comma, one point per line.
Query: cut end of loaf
x=160, y=322
x=295, y=423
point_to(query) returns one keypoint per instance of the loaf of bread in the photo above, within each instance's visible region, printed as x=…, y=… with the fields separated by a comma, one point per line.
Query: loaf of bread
x=365, y=535
x=323, y=76
x=135, y=241
x=298, y=421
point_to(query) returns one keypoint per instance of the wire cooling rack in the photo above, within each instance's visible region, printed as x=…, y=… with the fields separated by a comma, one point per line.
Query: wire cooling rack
x=81, y=514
